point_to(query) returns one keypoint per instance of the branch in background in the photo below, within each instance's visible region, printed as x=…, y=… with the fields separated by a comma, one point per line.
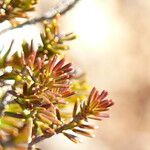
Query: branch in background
x=12, y=9
x=62, y=7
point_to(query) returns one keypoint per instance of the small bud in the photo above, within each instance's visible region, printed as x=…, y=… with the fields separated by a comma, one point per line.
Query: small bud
x=75, y=109
x=84, y=133
x=68, y=37
x=73, y=138
x=86, y=126
x=94, y=118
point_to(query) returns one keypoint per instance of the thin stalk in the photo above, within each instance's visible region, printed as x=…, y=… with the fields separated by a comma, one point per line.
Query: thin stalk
x=62, y=7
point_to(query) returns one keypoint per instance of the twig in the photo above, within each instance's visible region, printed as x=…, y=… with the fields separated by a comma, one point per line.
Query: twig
x=45, y=136
x=62, y=7
x=70, y=125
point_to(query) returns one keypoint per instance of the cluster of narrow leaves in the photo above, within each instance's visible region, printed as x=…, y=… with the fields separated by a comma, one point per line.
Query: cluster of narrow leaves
x=12, y=9
x=91, y=108
x=42, y=92
x=53, y=40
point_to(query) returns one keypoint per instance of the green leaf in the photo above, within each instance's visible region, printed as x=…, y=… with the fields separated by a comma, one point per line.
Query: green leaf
x=4, y=58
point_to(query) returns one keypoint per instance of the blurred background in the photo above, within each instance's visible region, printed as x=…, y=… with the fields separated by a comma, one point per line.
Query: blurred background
x=113, y=48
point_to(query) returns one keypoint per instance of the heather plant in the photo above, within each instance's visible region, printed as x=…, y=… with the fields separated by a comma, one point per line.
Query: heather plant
x=12, y=9
x=42, y=94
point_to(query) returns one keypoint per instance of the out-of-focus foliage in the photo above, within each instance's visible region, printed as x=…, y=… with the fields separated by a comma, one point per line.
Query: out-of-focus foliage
x=12, y=9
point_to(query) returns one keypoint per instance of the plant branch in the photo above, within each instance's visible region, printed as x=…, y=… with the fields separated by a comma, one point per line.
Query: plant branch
x=45, y=136
x=62, y=7
x=70, y=125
